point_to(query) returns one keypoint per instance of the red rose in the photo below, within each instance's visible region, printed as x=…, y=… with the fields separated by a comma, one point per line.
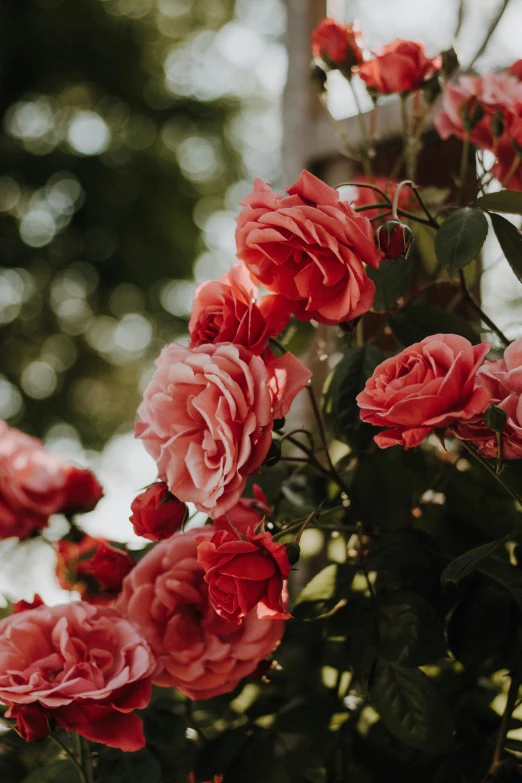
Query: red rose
x=225, y=310
x=243, y=573
x=92, y=567
x=247, y=513
x=427, y=386
x=401, y=66
x=394, y=239
x=82, y=491
x=24, y=606
x=197, y=651
x=338, y=45
x=516, y=69
x=156, y=514
x=502, y=379
x=310, y=247
x=86, y=667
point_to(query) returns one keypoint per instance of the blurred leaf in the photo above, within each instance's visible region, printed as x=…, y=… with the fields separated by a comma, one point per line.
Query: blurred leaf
x=324, y=590
x=481, y=504
x=510, y=241
x=344, y=384
x=114, y=766
x=298, y=336
x=391, y=279
x=424, y=245
x=259, y=762
x=467, y=562
x=165, y=732
x=58, y=772
x=505, y=574
x=408, y=630
x=413, y=323
x=411, y=707
x=460, y=238
x=508, y=201
x=482, y=607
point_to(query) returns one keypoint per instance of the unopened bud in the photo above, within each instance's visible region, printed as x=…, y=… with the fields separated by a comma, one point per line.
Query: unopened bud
x=293, y=550
x=495, y=418
x=278, y=424
x=318, y=79
x=450, y=62
x=394, y=239
x=471, y=114
x=497, y=124
x=274, y=454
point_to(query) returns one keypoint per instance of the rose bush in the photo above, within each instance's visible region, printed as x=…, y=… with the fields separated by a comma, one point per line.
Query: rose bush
x=197, y=651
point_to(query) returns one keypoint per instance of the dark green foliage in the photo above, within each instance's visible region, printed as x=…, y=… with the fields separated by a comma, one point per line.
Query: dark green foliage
x=415, y=322
x=460, y=238
x=510, y=240
x=391, y=279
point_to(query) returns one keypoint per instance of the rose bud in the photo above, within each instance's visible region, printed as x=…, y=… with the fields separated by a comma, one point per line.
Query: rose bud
x=96, y=575
x=495, y=418
x=394, y=239
x=109, y=566
x=337, y=45
x=82, y=491
x=471, y=114
x=157, y=514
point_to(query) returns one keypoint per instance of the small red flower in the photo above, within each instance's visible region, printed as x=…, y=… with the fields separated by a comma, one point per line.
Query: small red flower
x=92, y=567
x=243, y=573
x=336, y=44
x=109, y=566
x=156, y=513
x=24, y=606
x=401, y=66
x=394, y=239
x=82, y=491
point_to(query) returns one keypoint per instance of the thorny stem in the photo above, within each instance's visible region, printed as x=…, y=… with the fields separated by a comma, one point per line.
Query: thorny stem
x=514, y=686
x=493, y=26
x=487, y=320
x=401, y=212
x=322, y=434
x=71, y=756
x=364, y=134
x=364, y=185
x=348, y=149
x=463, y=173
x=406, y=139
x=87, y=760
x=491, y=470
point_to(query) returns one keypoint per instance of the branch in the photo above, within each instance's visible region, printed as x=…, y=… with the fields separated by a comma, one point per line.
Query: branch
x=493, y=26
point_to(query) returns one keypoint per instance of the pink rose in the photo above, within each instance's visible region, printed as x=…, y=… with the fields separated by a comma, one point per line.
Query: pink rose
x=244, y=573
x=85, y=667
x=401, y=66
x=427, y=386
x=207, y=417
x=197, y=651
x=337, y=44
x=35, y=483
x=247, y=513
x=310, y=247
x=502, y=379
x=225, y=310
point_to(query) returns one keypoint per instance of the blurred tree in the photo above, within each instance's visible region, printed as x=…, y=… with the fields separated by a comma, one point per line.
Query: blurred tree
x=101, y=167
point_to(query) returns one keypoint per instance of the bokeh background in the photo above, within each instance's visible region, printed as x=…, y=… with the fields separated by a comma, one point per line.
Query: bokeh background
x=129, y=132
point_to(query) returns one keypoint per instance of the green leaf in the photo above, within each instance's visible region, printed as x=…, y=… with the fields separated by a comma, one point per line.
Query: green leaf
x=114, y=766
x=391, y=279
x=469, y=561
x=503, y=573
x=508, y=201
x=460, y=238
x=408, y=630
x=324, y=590
x=413, y=323
x=58, y=772
x=411, y=707
x=482, y=607
x=510, y=240
x=344, y=384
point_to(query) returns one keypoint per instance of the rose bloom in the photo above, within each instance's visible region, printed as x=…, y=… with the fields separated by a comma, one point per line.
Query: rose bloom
x=35, y=483
x=217, y=778
x=207, y=417
x=337, y=44
x=156, y=514
x=244, y=573
x=247, y=513
x=84, y=667
x=311, y=247
x=225, y=310
x=516, y=69
x=91, y=567
x=427, y=386
x=24, y=606
x=493, y=91
x=401, y=66
x=197, y=651
x=366, y=196
x=502, y=379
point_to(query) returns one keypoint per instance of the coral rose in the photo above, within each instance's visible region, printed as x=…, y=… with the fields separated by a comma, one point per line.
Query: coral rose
x=401, y=66
x=502, y=378
x=207, y=417
x=91, y=567
x=197, y=651
x=156, y=513
x=244, y=573
x=310, y=247
x=35, y=483
x=247, y=513
x=86, y=668
x=337, y=44
x=427, y=386
x=225, y=310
